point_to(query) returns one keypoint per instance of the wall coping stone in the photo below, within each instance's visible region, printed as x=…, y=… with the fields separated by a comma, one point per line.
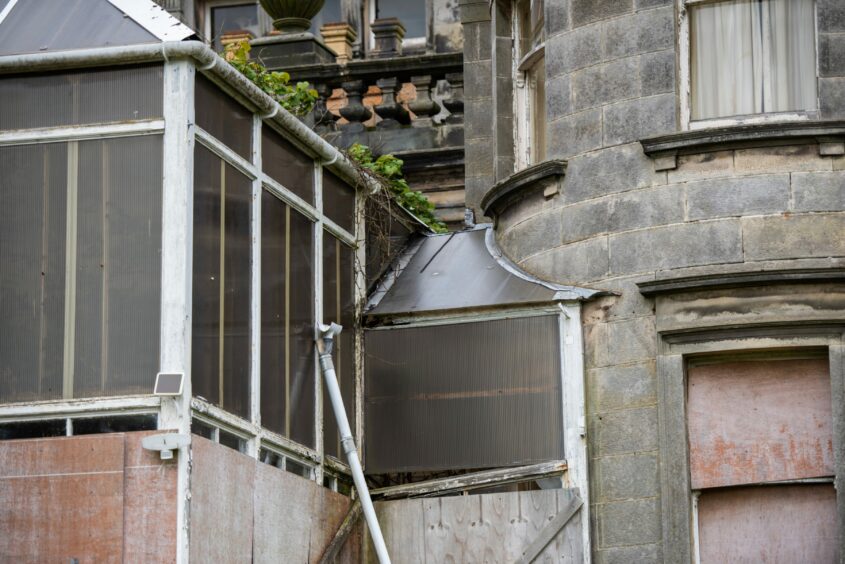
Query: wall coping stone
x=519, y=184
x=829, y=135
x=739, y=279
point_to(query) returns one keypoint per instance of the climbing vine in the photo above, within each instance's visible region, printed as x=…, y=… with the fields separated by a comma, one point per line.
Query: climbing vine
x=298, y=99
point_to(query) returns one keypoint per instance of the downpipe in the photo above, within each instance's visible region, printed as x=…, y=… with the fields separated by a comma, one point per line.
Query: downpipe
x=325, y=342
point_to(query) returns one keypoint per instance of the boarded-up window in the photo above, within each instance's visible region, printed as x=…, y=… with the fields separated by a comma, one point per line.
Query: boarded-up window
x=754, y=421
x=469, y=395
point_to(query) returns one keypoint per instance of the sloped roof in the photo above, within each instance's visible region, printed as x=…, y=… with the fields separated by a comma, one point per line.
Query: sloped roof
x=37, y=26
x=463, y=270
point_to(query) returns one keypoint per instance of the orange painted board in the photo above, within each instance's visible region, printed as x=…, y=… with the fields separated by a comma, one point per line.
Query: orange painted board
x=759, y=421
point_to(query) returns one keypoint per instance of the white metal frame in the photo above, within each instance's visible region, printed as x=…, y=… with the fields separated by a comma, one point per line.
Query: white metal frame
x=684, y=79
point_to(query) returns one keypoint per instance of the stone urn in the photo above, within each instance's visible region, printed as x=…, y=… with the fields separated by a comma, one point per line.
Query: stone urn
x=292, y=16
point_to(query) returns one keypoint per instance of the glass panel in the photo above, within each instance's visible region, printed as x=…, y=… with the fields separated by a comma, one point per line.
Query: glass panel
x=339, y=306
x=287, y=165
x=410, y=12
x=227, y=19
x=82, y=97
x=338, y=201
x=330, y=13
x=115, y=424
x=751, y=57
x=301, y=315
x=472, y=395
x=223, y=117
x=221, y=305
x=118, y=266
x=33, y=215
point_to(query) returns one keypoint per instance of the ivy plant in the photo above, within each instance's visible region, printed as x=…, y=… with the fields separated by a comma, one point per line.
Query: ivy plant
x=388, y=169
x=298, y=99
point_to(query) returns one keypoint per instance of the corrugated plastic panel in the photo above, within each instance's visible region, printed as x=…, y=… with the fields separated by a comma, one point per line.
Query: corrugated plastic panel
x=471, y=395
x=338, y=201
x=287, y=165
x=223, y=117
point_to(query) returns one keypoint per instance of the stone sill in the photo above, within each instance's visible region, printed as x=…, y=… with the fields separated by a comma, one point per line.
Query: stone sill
x=740, y=279
x=664, y=150
x=402, y=67
x=522, y=183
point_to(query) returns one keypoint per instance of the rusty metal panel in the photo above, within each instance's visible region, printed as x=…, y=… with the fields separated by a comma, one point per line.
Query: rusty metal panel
x=295, y=519
x=222, y=505
x=759, y=421
x=490, y=396
x=795, y=523
x=150, y=498
x=62, y=498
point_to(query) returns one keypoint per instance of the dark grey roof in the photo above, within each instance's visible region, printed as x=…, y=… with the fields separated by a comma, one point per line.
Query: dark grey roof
x=35, y=26
x=463, y=270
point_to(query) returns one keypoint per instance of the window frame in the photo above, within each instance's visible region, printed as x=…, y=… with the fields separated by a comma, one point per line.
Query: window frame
x=414, y=43
x=525, y=96
x=265, y=23
x=685, y=84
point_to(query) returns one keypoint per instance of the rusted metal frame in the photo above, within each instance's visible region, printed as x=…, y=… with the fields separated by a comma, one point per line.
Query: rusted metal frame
x=346, y=528
x=551, y=530
x=473, y=481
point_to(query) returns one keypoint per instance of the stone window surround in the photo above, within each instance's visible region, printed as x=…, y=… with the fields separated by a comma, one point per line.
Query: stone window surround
x=684, y=50
x=675, y=346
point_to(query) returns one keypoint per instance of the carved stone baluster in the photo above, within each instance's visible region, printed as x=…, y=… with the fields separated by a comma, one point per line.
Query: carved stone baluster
x=354, y=110
x=324, y=120
x=392, y=113
x=455, y=102
x=423, y=106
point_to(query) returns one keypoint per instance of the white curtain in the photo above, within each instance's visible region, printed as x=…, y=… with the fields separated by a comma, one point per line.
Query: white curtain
x=751, y=57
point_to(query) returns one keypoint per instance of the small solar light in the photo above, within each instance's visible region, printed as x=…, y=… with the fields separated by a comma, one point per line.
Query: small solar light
x=165, y=443
x=168, y=384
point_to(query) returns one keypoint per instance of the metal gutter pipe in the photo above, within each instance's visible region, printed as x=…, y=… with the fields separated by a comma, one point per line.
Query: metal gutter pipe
x=325, y=341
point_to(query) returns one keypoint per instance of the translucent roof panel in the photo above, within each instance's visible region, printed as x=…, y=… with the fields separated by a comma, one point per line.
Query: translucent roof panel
x=36, y=26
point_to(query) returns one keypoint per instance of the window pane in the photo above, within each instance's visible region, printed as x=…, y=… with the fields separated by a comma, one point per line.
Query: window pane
x=339, y=306
x=226, y=19
x=795, y=523
x=33, y=214
x=118, y=266
x=410, y=12
x=221, y=305
x=338, y=201
x=750, y=57
x=472, y=395
x=330, y=13
x=82, y=97
x=287, y=322
x=223, y=117
x=287, y=165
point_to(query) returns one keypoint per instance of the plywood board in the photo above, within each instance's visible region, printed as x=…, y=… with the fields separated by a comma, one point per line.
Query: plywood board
x=794, y=523
x=759, y=421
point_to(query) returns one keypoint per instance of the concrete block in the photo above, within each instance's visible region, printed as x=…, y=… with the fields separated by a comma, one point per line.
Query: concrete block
x=573, y=50
x=676, y=246
x=819, y=191
x=576, y=263
x=831, y=54
x=583, y=220
x=793, y=236
x=831, y=15
x=832, y=97
x=703, y=165
x=657, y=72
x=626, y=431
x=617, y=169
x=744, y=195
x=629, y=522
x=620, y=387
x=766, y=160
x=606, y=83
x=586, y=11
x=558, y=97
x=640, y=554
x=557, y=16
x=640, y=33
x=647, y=208
x=636, y=119
x=627, y=477
x=574, y=134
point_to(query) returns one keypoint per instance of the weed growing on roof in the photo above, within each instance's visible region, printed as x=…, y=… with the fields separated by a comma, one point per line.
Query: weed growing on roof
x=298, y=100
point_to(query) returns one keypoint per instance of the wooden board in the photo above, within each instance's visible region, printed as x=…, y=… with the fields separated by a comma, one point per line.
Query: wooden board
x=491, y=528
x=794, y=523
x=759, y=421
